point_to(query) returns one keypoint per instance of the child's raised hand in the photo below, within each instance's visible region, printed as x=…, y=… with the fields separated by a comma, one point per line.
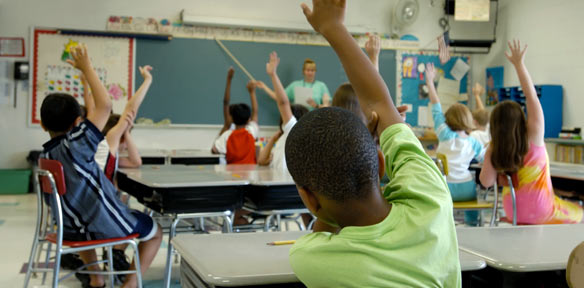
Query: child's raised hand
x=80, y=59
x=251, y=86
x=517, y=54
x=230, y=73
x=430, y=72
x=373, y=46
x=326, y=15
x=145, y=72
x=261, y=85
x=272, y=66
x=478, y=89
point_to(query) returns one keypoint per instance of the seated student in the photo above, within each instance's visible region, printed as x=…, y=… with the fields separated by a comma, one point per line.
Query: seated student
x=238, y=144
x=273, y=153
x=93, y=210
x=452, y=129
x=518, y=149
x=401, y=237
x=480, y=118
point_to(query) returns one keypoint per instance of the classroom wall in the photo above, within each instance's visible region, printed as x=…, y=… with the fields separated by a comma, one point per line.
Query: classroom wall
x=17, y=16
x=555, y=54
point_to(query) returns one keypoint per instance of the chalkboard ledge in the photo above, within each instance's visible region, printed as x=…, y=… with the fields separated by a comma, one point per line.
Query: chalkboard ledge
x=194, y=126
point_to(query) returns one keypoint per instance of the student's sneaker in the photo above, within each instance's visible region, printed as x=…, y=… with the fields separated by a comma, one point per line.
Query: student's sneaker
x=120, y=263
x=71, y=261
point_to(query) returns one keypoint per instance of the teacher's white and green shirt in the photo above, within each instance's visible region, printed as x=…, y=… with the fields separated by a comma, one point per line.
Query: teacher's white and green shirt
x=318, y=90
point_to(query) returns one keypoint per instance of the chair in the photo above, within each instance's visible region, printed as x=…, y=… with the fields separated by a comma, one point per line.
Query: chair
x=575, y=270
x=474, y=205
x=513, y=199
x=49, y=230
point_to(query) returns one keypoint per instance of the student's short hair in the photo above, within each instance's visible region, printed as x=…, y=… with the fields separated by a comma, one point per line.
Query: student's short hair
x=330, y=152
x=240, y=113
x=111, y=122
x=481, y=116
x=346, y=98
x=459, y=118
x=59, y=111
x=308, y=61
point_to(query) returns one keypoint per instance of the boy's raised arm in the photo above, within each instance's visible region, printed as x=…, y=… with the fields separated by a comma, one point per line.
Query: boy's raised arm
x=281, y=97
x=87, y=97
x=251, y=88
x=226, y=98
x=103, y=103
x=327, y=18
x=477, y=91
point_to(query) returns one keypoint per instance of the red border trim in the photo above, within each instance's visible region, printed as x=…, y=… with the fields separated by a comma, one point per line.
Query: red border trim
x=34, y=119
x=21, y=42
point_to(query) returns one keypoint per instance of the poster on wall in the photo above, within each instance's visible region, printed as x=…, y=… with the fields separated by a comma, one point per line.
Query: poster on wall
x=112, y=59
x=494, y=82
x=412, y=87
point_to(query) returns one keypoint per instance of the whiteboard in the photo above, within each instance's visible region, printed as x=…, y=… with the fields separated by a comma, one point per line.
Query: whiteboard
x=112, y=58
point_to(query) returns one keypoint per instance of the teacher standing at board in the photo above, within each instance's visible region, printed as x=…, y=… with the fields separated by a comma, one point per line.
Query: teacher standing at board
x=299, y=91
x=308, y=91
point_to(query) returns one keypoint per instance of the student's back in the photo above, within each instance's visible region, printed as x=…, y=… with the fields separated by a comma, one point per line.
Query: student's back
x=406, y=247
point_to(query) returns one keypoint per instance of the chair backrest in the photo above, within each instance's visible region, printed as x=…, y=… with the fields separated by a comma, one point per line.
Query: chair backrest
x=443, y=160
x=56, y=169
x=575, y=270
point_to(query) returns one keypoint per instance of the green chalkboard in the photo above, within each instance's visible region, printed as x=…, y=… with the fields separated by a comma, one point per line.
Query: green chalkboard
x=189, y=76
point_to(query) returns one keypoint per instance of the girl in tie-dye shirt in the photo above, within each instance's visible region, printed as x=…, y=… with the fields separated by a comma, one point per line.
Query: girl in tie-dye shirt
x=517, y=148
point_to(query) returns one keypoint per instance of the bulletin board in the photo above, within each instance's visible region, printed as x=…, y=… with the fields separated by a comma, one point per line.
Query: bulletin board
x=112, y=58
x=411, y=82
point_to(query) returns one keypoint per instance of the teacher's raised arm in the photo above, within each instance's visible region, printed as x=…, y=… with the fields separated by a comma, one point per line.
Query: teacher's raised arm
x=309, y=91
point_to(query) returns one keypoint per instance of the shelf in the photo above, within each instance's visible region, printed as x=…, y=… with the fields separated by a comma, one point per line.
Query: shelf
x=565, y=141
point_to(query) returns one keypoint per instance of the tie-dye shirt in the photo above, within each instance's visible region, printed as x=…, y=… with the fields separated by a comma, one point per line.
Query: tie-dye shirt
x=536, y=201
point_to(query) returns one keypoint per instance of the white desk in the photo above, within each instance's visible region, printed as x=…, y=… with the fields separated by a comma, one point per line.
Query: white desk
x=245, y=259
x=557, y=170
x=207, y=191
x=567, y=171
x=522, y=248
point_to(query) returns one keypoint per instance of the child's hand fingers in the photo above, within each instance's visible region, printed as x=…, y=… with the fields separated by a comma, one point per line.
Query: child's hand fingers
x=72, y=63
x=306, y=10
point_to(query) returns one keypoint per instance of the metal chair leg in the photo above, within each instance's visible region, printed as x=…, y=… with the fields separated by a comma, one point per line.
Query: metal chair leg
x=267, y=223
x=514, y=199
x=110, y=265
x=137, y=263
x=30, y=266
x=57, y=266
x=495, y=205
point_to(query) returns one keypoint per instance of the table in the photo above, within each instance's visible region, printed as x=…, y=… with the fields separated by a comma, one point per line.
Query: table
x=216, y=259
x=522, y=248
x=194, y=157
x=179, y=156
x=557, y=170
x=186, y=192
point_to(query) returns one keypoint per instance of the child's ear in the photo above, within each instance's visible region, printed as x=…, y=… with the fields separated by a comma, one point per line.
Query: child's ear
x=44, y=128
x=381, y=163
x=309, y=200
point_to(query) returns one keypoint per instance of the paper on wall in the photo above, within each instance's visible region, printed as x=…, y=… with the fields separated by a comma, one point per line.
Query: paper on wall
x=425, y=116
x=472, y=10
x=302, y=94
x=459, y=69
x=448, y=92
x=6, y=83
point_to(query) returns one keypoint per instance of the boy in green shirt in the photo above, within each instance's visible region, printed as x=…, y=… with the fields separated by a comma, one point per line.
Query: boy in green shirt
x=401, y=237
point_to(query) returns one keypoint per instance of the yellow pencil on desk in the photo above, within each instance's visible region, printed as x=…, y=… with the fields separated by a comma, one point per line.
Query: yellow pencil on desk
x=276, y=243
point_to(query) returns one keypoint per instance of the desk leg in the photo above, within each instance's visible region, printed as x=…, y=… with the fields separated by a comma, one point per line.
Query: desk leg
x=171, y=234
